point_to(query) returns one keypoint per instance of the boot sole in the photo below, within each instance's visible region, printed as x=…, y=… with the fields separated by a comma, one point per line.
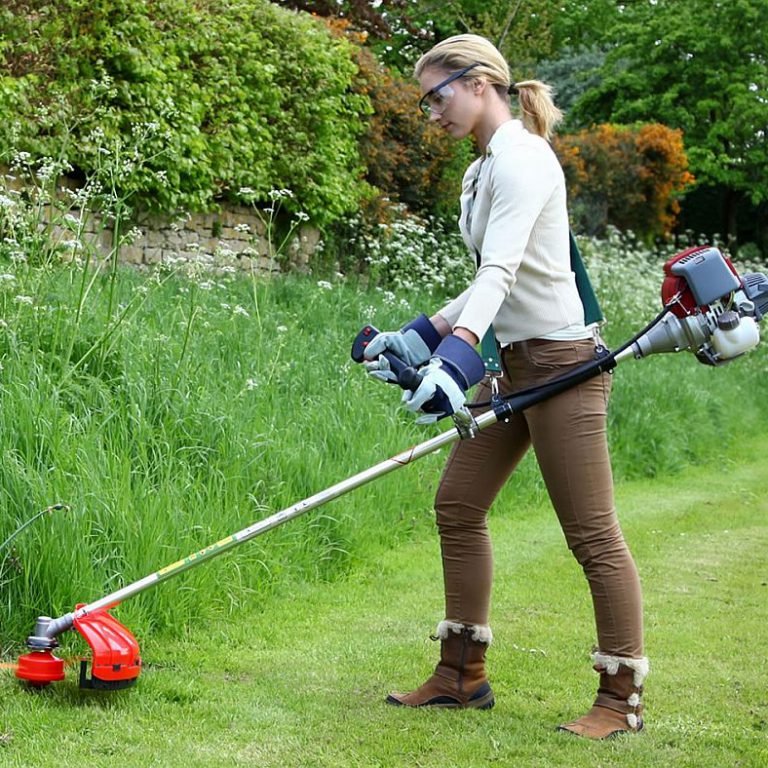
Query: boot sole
x=608, y=736
x=482, y=698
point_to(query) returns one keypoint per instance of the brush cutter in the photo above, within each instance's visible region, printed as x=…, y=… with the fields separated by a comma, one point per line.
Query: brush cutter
x=708, y=309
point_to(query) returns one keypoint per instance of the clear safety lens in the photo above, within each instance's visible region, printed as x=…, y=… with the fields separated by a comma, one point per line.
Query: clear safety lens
x=436, y=102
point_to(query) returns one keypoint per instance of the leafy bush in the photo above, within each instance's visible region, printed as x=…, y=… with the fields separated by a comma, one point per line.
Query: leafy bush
x=239, y=94
x=626, y=176
x=408, y=159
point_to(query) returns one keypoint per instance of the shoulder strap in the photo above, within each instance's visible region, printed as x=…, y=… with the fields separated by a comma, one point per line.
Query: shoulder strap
x=592, y=311
x=489, y=351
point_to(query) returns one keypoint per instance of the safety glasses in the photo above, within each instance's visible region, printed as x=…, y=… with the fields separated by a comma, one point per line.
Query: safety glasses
x=436, y=100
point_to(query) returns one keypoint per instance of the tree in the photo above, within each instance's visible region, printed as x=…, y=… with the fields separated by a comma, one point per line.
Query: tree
x=700, y=66
x=573, y=73
x=630, y=177
x=399, y=31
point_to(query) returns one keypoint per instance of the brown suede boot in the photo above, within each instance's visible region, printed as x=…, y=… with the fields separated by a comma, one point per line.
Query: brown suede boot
x=618, y=707
x=459, y=680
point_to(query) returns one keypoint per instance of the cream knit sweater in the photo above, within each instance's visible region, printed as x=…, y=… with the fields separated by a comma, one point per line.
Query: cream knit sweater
x=518, y=222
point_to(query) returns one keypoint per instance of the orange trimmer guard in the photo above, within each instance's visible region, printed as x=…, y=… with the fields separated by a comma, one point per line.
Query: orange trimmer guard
x=116, y=662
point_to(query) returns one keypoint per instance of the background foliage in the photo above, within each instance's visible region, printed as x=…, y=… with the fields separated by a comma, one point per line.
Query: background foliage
x=238, y=95
x=230, y=95
x=626, y=176
x=408, y=159
x=693, y=65
x=701, y=67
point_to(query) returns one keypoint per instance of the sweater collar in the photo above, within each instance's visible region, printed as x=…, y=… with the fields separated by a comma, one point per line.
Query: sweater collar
x=502, y=134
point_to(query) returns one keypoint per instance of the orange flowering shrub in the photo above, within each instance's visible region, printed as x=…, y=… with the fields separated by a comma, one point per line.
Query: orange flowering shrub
x=630, y=177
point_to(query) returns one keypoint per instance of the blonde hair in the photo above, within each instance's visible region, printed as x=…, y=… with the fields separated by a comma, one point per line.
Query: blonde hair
x=538, y=110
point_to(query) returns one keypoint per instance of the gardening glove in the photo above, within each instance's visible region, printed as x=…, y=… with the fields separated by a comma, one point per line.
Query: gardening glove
x=452, y=370
x=413, y=344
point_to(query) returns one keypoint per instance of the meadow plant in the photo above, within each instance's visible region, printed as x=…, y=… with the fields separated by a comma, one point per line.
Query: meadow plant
x=279, y=231
x=410, y=253
x=218, y=398
x=49, y=225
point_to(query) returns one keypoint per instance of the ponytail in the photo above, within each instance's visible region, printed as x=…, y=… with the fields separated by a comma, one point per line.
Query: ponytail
x=540, y=115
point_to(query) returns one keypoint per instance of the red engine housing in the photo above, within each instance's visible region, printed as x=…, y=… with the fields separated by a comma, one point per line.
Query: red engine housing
x=675, y=293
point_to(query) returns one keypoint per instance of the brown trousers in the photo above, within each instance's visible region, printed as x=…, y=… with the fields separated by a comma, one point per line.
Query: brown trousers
x=568, y=435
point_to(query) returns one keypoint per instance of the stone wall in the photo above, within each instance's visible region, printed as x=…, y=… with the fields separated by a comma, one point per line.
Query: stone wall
x=233, y=236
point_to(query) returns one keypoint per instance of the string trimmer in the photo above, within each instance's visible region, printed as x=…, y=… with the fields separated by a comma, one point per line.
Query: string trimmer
x=708, y=309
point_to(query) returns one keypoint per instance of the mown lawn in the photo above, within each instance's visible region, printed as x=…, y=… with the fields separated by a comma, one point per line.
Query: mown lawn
x=301, y=681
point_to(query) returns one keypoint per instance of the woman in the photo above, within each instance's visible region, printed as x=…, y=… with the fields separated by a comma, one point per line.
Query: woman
x=515, y=222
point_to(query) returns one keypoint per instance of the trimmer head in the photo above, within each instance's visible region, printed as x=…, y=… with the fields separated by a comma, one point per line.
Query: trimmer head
x=115, y=661
x=40, y=668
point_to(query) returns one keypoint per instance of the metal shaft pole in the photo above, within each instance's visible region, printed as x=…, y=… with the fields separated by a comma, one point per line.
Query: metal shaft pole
x=289, y=513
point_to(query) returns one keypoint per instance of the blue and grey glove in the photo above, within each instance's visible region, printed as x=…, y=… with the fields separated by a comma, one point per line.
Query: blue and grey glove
x=452, y=370
x=413, y=344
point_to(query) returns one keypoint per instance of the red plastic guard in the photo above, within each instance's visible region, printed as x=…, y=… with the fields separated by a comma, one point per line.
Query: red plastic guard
x=116, y=662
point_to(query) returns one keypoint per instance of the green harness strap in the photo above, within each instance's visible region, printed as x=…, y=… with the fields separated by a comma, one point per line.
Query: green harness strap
x=592, y=313
x=489, y=351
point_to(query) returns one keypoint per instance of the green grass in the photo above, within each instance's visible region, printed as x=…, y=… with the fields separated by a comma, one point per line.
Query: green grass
x=167, y=412
x=301, y=681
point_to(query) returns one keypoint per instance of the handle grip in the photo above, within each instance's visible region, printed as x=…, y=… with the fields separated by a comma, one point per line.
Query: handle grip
x=407, y=376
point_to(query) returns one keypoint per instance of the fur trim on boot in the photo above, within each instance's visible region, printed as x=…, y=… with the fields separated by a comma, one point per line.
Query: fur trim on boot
x=459, y=680
x=618, y=707
x=479, y=632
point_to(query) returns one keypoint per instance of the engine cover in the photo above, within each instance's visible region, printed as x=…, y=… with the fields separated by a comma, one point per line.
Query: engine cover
x=695, y=278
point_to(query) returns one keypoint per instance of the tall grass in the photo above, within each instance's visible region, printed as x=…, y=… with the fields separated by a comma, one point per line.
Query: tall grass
x=166, y=410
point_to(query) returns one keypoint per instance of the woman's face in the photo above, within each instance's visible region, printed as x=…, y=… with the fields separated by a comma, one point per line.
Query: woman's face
x=453, y=105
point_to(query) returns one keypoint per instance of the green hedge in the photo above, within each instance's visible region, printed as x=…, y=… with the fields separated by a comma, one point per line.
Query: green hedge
x=195, y=100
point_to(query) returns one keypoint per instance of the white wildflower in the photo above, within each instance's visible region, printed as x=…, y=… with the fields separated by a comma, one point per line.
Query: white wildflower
x=277, y=194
